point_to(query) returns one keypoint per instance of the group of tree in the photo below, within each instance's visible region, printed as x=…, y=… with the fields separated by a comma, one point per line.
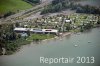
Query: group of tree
x=8, y=14
x=7, y=35
x=87, y=9
x=9, y=39
x=59, y=5
x=98, y=22
x=33, y=1
x=56, y=6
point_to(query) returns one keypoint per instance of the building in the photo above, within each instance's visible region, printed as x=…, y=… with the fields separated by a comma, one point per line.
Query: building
x=34, y=30
x=68, y=21
x=21, y=30
x=44, y=31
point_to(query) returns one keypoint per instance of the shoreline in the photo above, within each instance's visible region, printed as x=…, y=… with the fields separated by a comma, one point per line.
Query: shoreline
x=56, y=37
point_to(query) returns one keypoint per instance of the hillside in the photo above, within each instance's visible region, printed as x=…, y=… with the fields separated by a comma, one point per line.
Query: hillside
x=13, y=5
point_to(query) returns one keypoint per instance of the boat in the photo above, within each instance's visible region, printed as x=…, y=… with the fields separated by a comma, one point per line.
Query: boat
x=75, y=45
x=89, y=41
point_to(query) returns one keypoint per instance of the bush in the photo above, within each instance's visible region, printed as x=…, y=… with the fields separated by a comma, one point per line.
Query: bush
x=32, y=1
x=8, y=14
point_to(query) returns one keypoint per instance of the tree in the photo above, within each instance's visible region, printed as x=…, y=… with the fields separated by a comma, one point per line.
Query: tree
x=98, y=20
x=88, y=26
x=17, y=24
x=28, y=33
x=32, y=1
x=68, y=26
x=57, y=1
x=58, y=7
x=19, y=35
x=8, y=14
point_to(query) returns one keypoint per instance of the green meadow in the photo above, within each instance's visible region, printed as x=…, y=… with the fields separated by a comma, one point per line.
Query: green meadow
x=13, y=6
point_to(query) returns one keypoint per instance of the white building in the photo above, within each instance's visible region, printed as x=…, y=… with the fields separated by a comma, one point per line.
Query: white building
x=33, y=30
x=21, y=29
x=68, y=21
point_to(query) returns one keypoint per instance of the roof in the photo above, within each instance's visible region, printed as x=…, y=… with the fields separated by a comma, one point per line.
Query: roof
x=50, y=30
x=36, y=30
x=44, y=30
x=21, y=29
x=24, y=34
x=68, y=20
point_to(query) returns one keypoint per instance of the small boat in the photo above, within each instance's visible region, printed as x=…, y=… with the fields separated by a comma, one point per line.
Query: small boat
x=75, y=45
x=60, y=39
x=89, y=41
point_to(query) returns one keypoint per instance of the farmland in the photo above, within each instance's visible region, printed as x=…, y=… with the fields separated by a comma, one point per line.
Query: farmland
x=13, y=5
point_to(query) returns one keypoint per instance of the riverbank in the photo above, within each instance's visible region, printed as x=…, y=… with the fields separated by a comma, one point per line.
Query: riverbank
x=15, y=46
x=29, y=54
x=61, y=35
x=19, y=43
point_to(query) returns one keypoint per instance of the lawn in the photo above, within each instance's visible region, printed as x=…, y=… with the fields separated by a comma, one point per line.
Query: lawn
x=13, y=5
x=34, y=37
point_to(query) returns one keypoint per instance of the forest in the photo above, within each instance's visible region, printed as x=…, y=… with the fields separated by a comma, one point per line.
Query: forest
x=60, y=5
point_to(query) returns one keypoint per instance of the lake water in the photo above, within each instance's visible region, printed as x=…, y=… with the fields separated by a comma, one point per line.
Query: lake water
x=29, y=55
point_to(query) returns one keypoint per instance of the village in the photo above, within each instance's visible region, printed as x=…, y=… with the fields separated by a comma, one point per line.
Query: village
x=57, y=24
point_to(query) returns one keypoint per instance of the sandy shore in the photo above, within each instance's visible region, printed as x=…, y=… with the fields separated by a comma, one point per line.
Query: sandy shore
x=59, y=37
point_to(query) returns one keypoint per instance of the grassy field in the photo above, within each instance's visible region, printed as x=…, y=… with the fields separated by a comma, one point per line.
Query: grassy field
x=34, y=37
x=13, y=5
